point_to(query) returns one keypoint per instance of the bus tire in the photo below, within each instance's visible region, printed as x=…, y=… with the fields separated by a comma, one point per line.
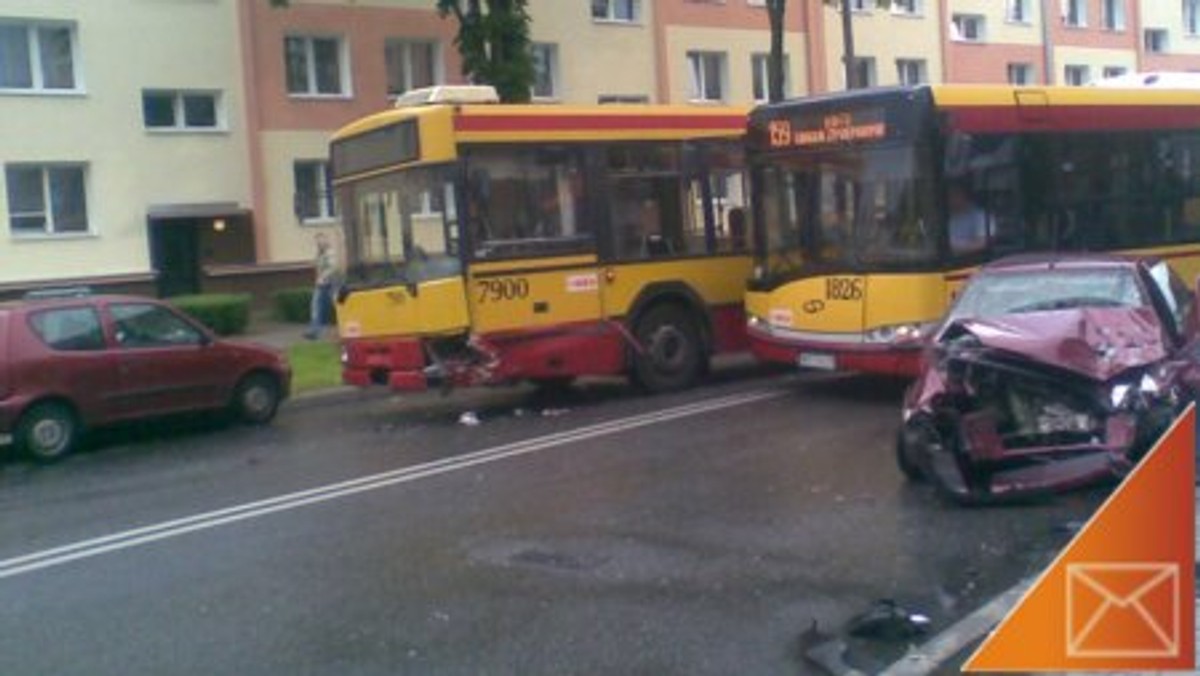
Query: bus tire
x=672, y=356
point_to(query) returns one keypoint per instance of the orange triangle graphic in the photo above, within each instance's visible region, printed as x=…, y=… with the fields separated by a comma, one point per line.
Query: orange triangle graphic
x=1122, y=593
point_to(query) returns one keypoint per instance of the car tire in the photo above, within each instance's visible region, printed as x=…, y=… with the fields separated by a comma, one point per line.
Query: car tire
x=672, y=356
x=256, y=399
x=906, y=456
x=47, y=432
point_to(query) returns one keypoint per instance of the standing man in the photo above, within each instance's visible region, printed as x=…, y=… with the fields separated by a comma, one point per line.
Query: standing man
x=322, y=297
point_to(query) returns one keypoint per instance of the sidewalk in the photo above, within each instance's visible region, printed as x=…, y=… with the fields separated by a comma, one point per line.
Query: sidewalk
x=281, y=335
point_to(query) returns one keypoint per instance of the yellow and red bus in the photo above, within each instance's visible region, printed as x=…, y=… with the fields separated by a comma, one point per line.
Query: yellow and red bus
x=492, y=243
x=875, y=205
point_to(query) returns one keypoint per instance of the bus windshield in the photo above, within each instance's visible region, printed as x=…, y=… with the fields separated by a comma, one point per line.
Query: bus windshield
x=402, y=227
x=853, y=208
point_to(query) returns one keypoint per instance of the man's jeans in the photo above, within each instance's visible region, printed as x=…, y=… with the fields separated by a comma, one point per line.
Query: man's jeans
x=322, y=303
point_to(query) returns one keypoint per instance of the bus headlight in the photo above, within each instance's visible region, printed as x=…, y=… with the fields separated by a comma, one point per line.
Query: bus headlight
x=345, y=356
x=759, y=273
x=896, y=334
x=754, y=322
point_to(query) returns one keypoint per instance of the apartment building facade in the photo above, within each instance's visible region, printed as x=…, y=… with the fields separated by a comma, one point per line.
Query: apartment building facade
x=138, y=155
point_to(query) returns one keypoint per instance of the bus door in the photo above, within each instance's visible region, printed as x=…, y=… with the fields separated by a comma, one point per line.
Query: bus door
x=534, y=280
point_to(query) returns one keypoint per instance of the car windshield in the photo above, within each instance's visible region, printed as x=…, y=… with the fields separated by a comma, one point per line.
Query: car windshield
x=999, y=293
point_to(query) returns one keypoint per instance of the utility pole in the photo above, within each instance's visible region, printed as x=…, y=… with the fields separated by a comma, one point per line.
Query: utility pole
x=848, y=45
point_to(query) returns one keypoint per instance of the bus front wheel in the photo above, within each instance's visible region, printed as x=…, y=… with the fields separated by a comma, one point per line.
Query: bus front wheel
x=672, y=356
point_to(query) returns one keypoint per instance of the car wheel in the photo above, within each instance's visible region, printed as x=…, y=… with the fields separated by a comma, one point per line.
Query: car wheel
x=47, y=432
x=908, y=438
x=256, y=399
x=672, y=356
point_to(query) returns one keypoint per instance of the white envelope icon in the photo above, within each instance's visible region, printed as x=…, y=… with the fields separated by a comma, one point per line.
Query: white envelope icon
x=1123, y=610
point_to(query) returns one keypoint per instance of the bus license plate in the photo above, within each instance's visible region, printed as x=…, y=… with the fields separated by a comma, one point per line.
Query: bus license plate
x=816, y=360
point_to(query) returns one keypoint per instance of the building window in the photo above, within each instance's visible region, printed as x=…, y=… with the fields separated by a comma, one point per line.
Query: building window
x=1017, y=11
x=166, y=109
x=624, y=11
x=909, y=7
x=314, y=190
x=545, y=71
x=1156, y=40
x=37, y=57
x=911, y=71
x=1075, y=12
x=1020, y=73
x=860, y=5
x=46, y=199
x=1114, y=71
x=761, y=77
x=1076, y=75
x=410, y=65
x=707, y=71
x=1113, y=15
x=863, y=72
x=1191, y=17
x=967, y=28
x=315, y=66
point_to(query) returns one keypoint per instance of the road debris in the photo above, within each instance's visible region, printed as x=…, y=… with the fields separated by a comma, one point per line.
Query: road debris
x=826, y=651
x=469, y=418
x=886, y=620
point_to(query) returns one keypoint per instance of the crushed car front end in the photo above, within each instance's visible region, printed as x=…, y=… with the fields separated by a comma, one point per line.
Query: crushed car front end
x=1021, y=406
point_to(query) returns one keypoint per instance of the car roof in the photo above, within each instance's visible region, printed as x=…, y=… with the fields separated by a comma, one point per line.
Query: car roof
x=70, y=299
x=1050, y=261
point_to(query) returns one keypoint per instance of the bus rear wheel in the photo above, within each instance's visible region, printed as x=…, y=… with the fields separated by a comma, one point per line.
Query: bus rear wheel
x=672, y=356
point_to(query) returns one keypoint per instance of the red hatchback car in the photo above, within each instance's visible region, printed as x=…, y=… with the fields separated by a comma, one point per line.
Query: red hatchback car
x=70, y=363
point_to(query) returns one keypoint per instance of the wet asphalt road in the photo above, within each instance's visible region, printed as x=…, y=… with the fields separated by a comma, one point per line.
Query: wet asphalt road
x=703, y=540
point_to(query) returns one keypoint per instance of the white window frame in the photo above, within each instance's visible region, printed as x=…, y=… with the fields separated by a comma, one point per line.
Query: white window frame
x=180, y=118
x=1027, y=71
x=1018, y=12
x=907, y=67
x=760, y=72
x=1191, y=17
x=1082, y=71
x=1156, y=40
x=611, y=15
x=907, y=7
x=326, y=208
x=859, y=6
x=551, y=56
x=406, y=46
x=959, y=23
x=48, y=212
x=37, y=71
x=1112, y=15
x=698, y=85
x=1077, y=7
x=310, y=63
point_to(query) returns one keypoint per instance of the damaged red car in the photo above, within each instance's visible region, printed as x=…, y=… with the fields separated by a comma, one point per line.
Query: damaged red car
x=1049, y=373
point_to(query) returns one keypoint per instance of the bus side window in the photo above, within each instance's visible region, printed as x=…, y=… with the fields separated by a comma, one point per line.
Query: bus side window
x=647, y=207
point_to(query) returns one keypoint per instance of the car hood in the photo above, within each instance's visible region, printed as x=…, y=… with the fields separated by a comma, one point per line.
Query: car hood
x=1095, y=342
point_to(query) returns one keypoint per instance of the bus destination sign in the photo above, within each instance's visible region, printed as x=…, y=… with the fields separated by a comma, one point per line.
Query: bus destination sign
x=830, y=129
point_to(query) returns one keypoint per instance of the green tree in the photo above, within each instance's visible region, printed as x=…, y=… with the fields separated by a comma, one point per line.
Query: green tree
x=493, y=40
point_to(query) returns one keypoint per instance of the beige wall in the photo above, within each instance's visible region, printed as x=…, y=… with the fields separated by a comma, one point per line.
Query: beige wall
x=124, y=46
x=997, y=28
x=291, y=241
x=886, y=37
x=738, y=46
x=1095, y=59
x=1168, y=15
x=596, y=58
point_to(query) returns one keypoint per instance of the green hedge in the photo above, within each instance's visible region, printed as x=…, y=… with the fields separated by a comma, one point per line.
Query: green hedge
x=292, y=305
x=224, y=313
x=295, y=305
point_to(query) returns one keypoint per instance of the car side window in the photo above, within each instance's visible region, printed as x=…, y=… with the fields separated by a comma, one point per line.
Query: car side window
x=146, y=325
x=74, y=329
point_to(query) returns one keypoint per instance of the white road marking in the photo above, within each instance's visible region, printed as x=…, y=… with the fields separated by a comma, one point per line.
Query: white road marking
x=84, y=549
